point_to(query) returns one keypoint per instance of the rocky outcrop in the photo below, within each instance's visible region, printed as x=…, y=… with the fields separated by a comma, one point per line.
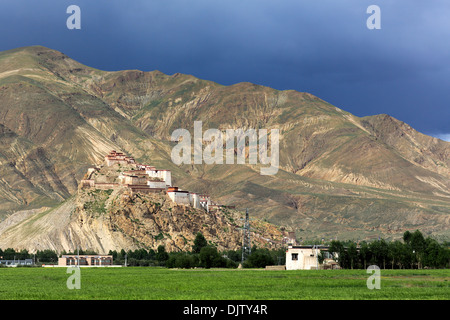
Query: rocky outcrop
x=103, y=220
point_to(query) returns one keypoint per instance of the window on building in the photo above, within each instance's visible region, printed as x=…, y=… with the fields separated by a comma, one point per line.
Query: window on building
x=294, y=256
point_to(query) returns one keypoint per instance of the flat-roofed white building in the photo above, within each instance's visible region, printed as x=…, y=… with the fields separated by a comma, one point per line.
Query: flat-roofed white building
x=85, y=260
x=304, y=257
x=164, y=175
x=194, y=200
x=156, y=184
x=179, y=196
x=16, y=262
x=204, y=201
x=118, y=158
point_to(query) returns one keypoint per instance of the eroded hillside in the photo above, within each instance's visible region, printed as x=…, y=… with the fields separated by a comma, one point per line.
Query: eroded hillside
x=114, y=219
x=340, y=175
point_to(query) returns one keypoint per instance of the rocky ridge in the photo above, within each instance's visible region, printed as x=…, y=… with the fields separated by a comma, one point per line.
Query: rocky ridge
x=340, y=175
x=113, y=219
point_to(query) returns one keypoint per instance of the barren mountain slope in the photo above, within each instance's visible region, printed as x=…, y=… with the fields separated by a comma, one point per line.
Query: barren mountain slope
x=339, y=175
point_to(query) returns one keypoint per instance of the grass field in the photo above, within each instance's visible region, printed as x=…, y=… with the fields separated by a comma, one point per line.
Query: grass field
x=220, y=284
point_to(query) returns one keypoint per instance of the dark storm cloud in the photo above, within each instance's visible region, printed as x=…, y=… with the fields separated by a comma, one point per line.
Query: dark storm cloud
x=322, y=47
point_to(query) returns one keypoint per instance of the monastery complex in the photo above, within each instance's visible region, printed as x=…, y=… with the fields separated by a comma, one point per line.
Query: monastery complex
x=140, y=178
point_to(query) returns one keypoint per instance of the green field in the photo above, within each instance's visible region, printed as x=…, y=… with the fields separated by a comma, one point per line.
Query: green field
x=220, y=284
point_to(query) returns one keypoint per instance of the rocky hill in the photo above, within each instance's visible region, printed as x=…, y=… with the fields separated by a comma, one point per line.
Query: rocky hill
x=113, y=219
x=340, y=175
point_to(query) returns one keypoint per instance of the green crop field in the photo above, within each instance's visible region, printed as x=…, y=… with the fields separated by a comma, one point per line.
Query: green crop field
x=220, y=284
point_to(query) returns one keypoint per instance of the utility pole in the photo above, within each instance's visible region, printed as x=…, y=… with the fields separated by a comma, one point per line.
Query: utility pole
x=246, y=243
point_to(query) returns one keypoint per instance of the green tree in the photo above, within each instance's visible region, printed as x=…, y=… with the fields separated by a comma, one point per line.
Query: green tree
x=407, y=237
x=259, y=258
x=335, y=248
x=233, y=255
x=23, y=254
x=210, y=257
x=407, y=256
x=435, y=255
x=170, y=263
x=321, y=257
x=339, y=253
x=181, y=260
x=352, y=253
x=418, y=245
x=113, y=254
x=132, y=262
x=121, y=255
x=130, y=255
x=9, y=254
x=151, y=254
x=46, y=256
x=185, y=261
x=161, y=255
x=365, y=255
x=379, y=252
x=230, y=264
x=278, y=256
x=384, y=252
x=199, y=243
x=395, y=250
x=140, y=254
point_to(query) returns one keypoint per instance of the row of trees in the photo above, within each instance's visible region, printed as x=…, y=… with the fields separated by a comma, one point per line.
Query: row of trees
x=415, y=252
x=202, y=255
x=44, y=256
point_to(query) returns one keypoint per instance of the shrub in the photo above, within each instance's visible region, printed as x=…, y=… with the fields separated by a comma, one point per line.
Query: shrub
x=259, y=258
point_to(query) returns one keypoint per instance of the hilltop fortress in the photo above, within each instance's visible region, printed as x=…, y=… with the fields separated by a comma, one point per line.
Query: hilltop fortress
x=120, y=170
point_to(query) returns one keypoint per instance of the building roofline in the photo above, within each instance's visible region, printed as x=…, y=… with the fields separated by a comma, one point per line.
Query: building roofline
x=308, y=246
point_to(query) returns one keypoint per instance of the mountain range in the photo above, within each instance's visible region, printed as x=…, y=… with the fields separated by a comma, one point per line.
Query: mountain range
x=340, y=176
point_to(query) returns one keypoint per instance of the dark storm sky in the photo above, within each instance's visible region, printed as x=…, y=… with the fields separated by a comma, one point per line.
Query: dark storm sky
x=319, y=46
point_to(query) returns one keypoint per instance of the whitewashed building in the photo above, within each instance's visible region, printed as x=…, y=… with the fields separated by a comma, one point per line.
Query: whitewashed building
x=194, y=199
x=204, y=201
x=179, y=196
x=164, y=175
x=156, y=184
x=306, y=257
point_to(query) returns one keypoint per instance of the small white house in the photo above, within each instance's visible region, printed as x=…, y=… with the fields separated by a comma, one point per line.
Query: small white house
x=306, y=257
